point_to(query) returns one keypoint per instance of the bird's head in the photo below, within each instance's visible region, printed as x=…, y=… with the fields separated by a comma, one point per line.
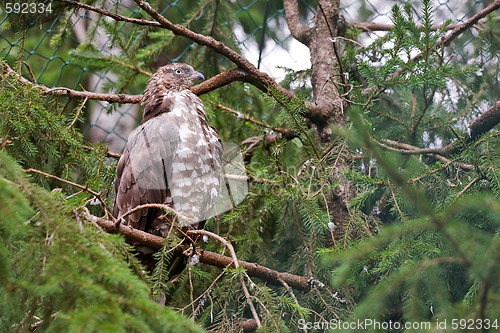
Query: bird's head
x=176, y=76
x=172, y=77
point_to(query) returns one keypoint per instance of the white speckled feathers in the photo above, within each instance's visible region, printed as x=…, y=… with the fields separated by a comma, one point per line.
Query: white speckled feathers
x=174, y=157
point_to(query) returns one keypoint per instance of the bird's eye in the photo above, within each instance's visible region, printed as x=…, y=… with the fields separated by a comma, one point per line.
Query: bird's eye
x=178, y=71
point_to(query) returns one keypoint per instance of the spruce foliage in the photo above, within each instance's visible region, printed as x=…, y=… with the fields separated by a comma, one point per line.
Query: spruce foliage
x=435, y=234
x=420, y=243
x=60, y=273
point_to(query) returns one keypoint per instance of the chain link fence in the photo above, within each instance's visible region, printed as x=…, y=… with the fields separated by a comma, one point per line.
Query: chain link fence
x=259, y=28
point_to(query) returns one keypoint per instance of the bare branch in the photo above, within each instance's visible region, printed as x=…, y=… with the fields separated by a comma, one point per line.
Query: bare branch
x=85, y=188
x=230, y=247
x=211, y=84
x=374, y=26
x=66, y=92
x=220, y=80
x=407, y=149
x=475, y=180
x=207, y=257
x=164, y=207
x=297, y=28
x=482, y=124
x=110, y=14
x=457, y=31
x=259, y=79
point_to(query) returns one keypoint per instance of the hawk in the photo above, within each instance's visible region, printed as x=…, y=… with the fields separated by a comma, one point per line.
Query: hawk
x=174, y=157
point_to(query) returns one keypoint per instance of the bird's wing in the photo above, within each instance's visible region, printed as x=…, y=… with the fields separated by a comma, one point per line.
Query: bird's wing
x=144, y=169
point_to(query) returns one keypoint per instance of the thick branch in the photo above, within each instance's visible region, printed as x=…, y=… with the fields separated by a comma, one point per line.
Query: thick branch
x=206, y=257
x=220, y=80
x=297, y=28
x=258, y=271
x=485, y=122
x=482, y=124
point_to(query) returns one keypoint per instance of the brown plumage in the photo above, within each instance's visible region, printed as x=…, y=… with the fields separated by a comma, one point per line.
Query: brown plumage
x=173, y=157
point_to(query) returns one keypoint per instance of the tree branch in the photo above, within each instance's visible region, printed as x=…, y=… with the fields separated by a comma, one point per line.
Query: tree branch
x=485, y=122
x=111, y=14
x=235, y=262
x=457, y=31
x=482, y=124
x=259, y=79
x=297, y=28
x=66, y=92
x=210, y=258
x=374, y=26
x=250, y=73
x=211, y=84
x=85, y=188
x=220, y=80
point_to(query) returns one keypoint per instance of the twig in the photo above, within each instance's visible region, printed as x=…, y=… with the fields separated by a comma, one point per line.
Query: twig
x=290, y=291
x=285, y=131
x=442, y=167
x=66, y=92
x=31, y=72
x=111, y=14
x=108, y=153
x=203, y=294
x=230, y=247
x=166, y=208
x=77, y=114
x=396, y=201
x=467, y=187
x=85, y=188
x=407, y=149
x=374, y=26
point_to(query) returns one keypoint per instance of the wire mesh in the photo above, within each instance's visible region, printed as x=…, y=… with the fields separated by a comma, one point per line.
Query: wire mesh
x=48, y=59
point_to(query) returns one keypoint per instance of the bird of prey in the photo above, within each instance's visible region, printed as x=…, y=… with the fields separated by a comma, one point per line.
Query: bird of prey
x=174, y=157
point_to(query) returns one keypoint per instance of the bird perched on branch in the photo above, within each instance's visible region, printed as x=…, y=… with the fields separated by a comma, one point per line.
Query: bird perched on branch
x=174, y=157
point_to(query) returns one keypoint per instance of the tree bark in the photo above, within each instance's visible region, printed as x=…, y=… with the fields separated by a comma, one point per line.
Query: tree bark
x=210, y=258
x=327, y=105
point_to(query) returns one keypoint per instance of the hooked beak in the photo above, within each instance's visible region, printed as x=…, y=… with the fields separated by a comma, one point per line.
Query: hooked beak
x=198, y=76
